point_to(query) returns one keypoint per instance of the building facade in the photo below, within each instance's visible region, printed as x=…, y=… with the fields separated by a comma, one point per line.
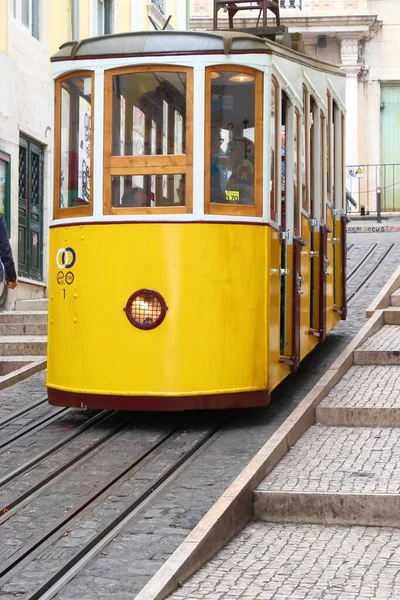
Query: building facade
x=30, y=32
x=363, y=38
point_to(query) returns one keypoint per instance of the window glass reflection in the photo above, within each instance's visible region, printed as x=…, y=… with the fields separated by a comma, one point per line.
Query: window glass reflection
x=76, y=125
x=149, y=113
x=139, y=191
x=232, y=152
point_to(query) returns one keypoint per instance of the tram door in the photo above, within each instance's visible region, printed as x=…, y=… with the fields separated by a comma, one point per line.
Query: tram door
x=291, y=242
x=339, y=226
x=284, y=254
x=314, y=251
x=323, y=233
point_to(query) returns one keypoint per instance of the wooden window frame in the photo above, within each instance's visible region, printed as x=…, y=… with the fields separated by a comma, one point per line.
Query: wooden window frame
x=71, y=211
x=306, y=111
x=322, y=166
x=343, y=164
x=159, y=164
x=328, y=160
x=236, y=209
x=273, y=194
x=312, y=156
x=297, y=195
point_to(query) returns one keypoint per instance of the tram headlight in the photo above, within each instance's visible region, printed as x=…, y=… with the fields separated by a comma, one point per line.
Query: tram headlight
x=146, y=309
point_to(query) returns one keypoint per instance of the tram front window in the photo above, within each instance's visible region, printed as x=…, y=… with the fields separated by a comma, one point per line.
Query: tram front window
x=140, y=191
x=75, y=142
x=149, y=113
x=232, y=137
x=148, y=137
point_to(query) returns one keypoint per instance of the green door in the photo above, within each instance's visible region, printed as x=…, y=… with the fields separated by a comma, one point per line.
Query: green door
x=390, y=147
x=30, y=210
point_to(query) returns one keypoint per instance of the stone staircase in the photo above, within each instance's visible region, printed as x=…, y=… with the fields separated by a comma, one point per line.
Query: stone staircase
x=23, y=340
x=345, y=468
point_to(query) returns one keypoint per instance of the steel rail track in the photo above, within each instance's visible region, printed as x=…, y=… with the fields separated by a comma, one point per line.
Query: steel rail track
x=30, y=551
x=58, y=580
x=362, y=261
x=351, y=296
x=33, y=428
x=96, y=419
x=23, y=411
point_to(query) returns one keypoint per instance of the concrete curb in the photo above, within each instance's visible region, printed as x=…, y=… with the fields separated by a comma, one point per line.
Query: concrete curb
x=234, y=508
x=22, y=373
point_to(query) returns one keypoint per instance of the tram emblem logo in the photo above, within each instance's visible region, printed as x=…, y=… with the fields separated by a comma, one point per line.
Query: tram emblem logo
x=65, y=258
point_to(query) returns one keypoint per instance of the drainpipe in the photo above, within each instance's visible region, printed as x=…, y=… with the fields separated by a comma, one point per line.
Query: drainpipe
x=75, y=19
x=187, y=14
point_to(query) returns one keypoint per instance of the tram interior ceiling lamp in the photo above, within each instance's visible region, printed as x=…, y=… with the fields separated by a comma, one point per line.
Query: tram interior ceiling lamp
x=214, y=75
x=146, y=309
x=241, y=78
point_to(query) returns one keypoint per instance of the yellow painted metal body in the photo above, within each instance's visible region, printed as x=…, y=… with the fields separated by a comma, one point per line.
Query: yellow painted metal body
x=213, y=279
x=222, y=286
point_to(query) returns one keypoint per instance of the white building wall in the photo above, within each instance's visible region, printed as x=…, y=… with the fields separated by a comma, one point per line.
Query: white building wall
x=25, y=107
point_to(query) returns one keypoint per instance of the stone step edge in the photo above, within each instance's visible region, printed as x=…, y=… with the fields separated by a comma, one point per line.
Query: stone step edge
x=360, y=416
x=321, y=508
x=377, y=357
x=23, y=312
x=23, y=339
x=33, y=366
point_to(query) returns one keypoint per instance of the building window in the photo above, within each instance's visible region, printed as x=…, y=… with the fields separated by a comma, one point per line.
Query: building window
x=5, y=186
x=27, y=13
x=160, y=5
x=103, y=16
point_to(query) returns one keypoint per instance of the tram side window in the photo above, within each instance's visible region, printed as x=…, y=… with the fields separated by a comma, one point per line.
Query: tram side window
x=297, y=173
x=273, y=157
x=75, y=142
x=234, y=146
x=304, y=151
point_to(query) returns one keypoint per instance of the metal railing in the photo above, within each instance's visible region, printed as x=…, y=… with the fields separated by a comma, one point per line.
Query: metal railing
x=375, y=188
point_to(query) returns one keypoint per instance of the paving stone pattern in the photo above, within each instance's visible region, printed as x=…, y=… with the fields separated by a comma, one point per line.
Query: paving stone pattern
x=296, y=562
x=387, y=338
x=350, y=460
x=375, y=386
x=20, y=394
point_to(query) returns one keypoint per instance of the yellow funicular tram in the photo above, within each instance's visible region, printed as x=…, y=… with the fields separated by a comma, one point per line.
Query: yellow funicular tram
x=197, y=247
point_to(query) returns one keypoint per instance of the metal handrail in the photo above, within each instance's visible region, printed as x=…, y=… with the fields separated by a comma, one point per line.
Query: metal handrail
x=375, y=188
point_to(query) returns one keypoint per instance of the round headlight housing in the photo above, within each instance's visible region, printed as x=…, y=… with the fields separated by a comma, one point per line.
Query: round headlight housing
x=146, y=309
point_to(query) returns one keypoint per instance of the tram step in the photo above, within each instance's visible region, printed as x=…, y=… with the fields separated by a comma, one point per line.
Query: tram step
x=25, y=345
x=382, y=348
x=23, y=328
x=17, y=316
x=29, y=305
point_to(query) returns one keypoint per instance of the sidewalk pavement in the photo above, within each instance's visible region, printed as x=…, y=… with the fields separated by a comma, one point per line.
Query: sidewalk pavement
x=326, y=519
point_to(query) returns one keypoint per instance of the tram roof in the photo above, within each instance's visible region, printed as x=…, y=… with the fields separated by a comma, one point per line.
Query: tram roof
x=158, y=43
